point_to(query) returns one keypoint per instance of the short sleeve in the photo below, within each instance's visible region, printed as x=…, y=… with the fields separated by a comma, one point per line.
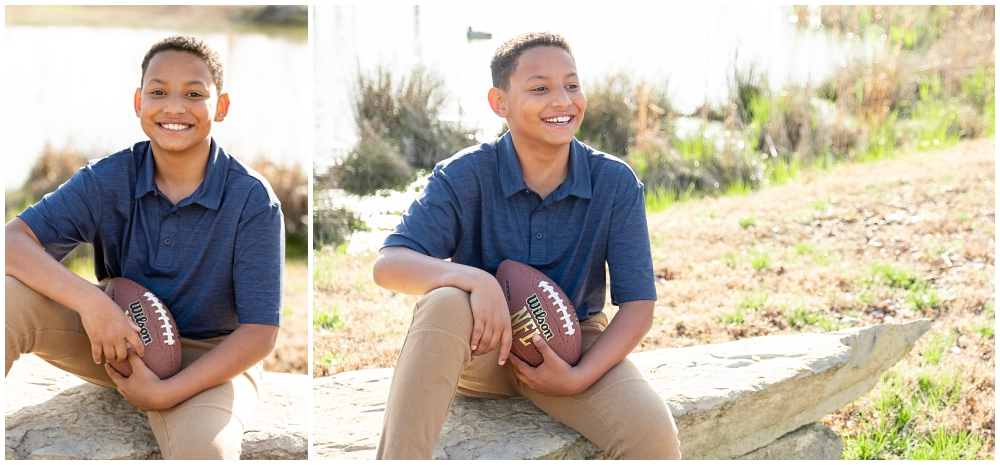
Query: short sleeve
x=259, y=260
x=432, y=223
x=630, y=263
x=68, y=216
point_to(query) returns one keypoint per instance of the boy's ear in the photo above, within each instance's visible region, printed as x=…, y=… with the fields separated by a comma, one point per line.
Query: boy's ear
x=222, y=108
x=498, y=102
x=137, y=100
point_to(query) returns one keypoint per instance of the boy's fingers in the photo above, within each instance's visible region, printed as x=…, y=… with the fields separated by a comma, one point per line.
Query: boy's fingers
x=136, y=343
x=505, y=340
x=543, y=348
x=477, y=332
x=96, y=351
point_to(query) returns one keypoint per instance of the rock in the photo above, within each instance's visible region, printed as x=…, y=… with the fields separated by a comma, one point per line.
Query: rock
x=810, y=442
x=725, y=403
x=50, y=414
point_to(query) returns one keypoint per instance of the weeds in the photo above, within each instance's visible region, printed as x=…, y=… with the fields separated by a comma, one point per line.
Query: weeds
x=329, y=321
x=734, y=317
x=747, y=222
x=753, y=300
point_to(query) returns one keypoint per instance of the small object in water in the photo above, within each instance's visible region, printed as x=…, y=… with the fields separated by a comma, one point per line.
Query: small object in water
x=472, y=35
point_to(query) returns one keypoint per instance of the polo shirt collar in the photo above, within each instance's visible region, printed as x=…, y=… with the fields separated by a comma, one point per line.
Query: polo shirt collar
x=577, y=182
x=208, y=194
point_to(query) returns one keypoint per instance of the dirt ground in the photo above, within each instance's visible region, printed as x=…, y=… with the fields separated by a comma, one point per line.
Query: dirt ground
x=791, y=258
x=291, y=352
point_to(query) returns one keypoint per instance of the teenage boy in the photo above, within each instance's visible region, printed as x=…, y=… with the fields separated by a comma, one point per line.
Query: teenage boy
x=183, y=218
x=540, y=197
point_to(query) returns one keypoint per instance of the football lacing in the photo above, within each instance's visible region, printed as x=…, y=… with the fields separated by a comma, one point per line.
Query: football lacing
x=560, y=306
x=167, y=327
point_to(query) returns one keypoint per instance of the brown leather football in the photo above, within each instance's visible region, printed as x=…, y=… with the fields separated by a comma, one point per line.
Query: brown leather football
x=157, y=329
x=538, y=305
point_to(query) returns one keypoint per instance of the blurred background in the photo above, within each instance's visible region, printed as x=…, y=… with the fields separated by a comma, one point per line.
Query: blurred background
x=699, y=99
x=70, y=100
x=874, y=125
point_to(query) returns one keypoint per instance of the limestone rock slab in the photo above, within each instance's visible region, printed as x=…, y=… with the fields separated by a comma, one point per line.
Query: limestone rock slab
x=50, y=414
x=728, y=399
x=810, y=442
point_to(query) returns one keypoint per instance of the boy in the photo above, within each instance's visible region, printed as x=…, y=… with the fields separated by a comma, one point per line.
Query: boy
x=540, y=197
x=186, y=220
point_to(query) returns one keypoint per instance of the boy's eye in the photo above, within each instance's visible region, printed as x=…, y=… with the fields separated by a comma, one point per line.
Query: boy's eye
x=194, y=94
x=157, y=92
x=573, y=86
x=539, y=89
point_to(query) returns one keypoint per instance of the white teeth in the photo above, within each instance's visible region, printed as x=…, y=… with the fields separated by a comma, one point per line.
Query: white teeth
x=174, y=127
x=560, y=119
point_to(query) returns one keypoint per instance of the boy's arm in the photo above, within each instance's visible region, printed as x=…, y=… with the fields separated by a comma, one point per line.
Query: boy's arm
x=555, y=377
x=105, y=323
x=246, y=346
x=404, y=270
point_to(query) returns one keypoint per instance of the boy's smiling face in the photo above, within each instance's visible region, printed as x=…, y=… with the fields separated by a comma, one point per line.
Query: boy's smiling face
x=544, y=104
x=177, y=104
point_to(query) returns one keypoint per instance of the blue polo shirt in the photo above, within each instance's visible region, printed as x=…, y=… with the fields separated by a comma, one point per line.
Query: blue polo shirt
x=215, y=259
x=477, y=211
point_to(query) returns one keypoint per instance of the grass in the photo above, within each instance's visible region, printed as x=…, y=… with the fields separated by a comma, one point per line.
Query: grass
x=734, y=317
x=938, y=347
x=759, y=258
x=747, y=222
x=329, y=320
x=753, y=300
x=901, y=405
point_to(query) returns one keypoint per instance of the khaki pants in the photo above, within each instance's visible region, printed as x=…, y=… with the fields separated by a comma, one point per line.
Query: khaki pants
x=620, y=413
x=209, y=425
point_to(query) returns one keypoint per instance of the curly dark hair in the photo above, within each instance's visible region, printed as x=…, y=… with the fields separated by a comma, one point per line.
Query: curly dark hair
x=505, y=58
x=190, y=45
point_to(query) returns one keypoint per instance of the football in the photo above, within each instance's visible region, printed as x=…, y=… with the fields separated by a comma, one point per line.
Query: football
x=156, y=328
x=538, y=306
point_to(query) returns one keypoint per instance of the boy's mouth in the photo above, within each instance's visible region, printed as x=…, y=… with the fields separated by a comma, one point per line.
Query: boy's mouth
x=174, y=126
x=558, y=119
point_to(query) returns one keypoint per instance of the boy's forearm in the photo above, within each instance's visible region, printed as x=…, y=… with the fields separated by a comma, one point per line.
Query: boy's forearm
x=243, y=349
x=401, y=269
x=27, y=261
x=627, y=328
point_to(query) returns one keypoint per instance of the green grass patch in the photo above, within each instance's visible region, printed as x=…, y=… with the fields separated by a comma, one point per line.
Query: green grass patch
x=924, y=295
x=329, y=359
x=819, y=205
x=987, y=325
x=729, y=259
x=747, y=222
x=938, y=347
x=892, y=275
x=754, y=300
x=328, y=320
x=758, y=258
x=736, y=317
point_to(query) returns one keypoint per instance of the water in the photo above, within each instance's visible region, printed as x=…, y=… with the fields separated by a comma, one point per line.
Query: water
x=73, y=86
x=695, y=48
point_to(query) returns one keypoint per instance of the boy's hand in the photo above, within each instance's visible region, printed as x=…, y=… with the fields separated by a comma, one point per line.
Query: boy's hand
x=143, y=388
x=109, y=329
x=554, y=377
x=490, y=319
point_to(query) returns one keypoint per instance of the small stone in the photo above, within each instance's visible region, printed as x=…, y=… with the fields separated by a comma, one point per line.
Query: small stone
x=755, y=358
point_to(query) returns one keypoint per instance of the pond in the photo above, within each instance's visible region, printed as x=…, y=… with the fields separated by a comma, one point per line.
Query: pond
x=694, y=48
x=73, y=86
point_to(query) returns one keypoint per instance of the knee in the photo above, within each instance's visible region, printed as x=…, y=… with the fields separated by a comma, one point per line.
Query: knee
x=652, y=433
x=446, y=308
x=217, y=436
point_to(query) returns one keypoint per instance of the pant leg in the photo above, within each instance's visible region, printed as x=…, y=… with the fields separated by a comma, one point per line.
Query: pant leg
x=620, y=413
x=35, y=324
x=209, y=425
x=429, y=370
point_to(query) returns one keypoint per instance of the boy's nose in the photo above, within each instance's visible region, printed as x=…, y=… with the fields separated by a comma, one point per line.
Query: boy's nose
x=173, y=105
x=560, y=98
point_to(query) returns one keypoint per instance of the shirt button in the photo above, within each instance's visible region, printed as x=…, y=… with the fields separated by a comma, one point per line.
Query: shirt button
x=166, y=241
x=538, y=235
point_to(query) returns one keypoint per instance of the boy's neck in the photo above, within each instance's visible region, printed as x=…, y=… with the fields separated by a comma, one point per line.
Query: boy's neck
x=177, y=176
x=543, y=168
